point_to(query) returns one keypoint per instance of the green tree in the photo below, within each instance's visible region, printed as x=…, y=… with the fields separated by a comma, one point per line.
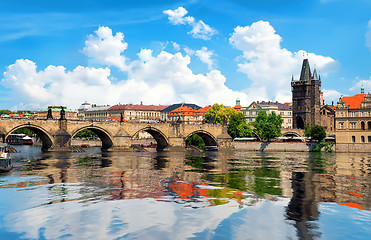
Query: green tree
x=26, y=131
x=317, y=133
x=195, y=140
x=234, y=121
x=267, y=126
x=86, y=133
x=244, y=130
x=237, y=127
x=218, y=113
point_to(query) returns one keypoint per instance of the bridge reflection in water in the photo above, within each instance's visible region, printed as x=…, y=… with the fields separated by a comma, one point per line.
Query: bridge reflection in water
x=278, y=195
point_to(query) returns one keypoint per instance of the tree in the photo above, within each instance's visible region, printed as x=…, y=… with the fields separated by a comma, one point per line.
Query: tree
x=26, y=131
x=218, y=113
x=237, y=127
x=195, y=140
x=267, y=126
x=244, y=130
x=316, y=132
x=86, y=133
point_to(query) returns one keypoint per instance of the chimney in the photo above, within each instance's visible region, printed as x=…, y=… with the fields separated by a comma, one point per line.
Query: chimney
x=141, y=102
x=269, y=102
x=276, y=102
x=257, y=102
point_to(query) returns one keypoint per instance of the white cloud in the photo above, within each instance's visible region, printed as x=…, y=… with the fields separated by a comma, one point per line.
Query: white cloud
x=106, y=49
x=189, y=51
x=368, y=36
x=357, y=86
x=331, y=96
x=176, y=46
x=205, y=57
x=199, y=28
x=154, y=79
x=268, y=65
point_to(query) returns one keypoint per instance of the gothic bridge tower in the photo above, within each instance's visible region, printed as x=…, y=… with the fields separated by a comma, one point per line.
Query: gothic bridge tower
x=306, y=98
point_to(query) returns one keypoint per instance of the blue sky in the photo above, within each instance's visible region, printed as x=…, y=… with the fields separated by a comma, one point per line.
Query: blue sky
x=163, y=52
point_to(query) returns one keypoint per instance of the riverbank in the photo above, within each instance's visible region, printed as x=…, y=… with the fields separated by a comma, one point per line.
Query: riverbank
x=276, y=146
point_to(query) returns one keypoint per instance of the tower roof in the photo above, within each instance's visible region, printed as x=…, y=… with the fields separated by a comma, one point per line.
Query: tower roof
x=315, y=77
x=305, y=71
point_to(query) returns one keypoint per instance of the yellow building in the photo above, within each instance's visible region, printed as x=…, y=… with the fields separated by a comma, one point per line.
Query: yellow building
x=285, y=110
x=353, y=119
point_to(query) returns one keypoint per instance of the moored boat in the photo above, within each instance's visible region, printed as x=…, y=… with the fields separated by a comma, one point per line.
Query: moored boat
x=5, y=161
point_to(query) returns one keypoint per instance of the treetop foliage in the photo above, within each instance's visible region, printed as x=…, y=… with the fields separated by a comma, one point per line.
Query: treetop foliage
x=218, y=113
x=267, y=126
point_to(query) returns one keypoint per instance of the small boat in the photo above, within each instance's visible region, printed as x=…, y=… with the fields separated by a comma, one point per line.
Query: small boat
x=211, y=148
x=5, y=162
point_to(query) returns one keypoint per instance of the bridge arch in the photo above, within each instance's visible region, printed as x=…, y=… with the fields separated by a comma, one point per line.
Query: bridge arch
x=104, y=136
x=291, y=134
x=159, y=136
x=46, y=139
x=299, y=122
x=208, y=138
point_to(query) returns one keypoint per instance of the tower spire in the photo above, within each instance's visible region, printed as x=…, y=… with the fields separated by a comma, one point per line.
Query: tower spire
x=305, y=74
x=362, y=88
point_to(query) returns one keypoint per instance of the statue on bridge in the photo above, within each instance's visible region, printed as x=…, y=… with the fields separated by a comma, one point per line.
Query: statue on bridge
x=49, y=116
x=63, y=114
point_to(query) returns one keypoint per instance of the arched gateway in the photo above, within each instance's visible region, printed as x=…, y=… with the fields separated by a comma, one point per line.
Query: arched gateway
x=56, y=135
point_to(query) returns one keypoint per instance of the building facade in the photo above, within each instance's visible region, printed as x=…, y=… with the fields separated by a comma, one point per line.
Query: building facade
x=353, y=119
x=166, y=111
x=188, y=115
x=306, y=98
x=137, y=112
x=55, y=111
x=251, y=112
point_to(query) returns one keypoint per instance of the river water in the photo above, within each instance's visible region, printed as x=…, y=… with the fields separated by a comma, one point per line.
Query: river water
x=186, y=195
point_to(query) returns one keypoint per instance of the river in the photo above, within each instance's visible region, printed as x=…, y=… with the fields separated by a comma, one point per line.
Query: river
x=185, y=195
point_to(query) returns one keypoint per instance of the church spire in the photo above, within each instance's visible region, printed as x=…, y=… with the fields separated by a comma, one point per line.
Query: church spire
x=305, y=74
x=362, y=88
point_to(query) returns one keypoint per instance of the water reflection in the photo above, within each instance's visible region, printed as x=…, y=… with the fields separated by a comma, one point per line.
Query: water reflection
x=192, y=195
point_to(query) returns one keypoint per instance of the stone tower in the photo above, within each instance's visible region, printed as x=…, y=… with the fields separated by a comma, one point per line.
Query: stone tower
x=306, y=98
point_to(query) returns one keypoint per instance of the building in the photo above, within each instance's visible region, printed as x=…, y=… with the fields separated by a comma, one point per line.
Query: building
x=254, y=108
x=137, y=112
x=81, y=110
x=187, y=114
x=96, y=113
x=55, y=113
x=353, y=119
x=306, y=98
x=165, y=112
x=328, y=118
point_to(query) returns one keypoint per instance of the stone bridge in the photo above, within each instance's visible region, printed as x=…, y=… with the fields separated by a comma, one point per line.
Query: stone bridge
x=56, y=135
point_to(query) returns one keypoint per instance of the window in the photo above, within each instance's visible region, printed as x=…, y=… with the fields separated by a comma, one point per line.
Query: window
x=369, y=139
x=341, y=125
x=362, y=139
x=282, y=113
x=353, y=125
x=341, y=114
x=353, y=139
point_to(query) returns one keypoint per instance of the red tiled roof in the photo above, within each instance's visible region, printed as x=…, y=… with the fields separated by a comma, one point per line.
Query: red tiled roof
x=184, y=110
x=355, y=101
x=138, y=107
x=237, y=107
x=202, y=111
